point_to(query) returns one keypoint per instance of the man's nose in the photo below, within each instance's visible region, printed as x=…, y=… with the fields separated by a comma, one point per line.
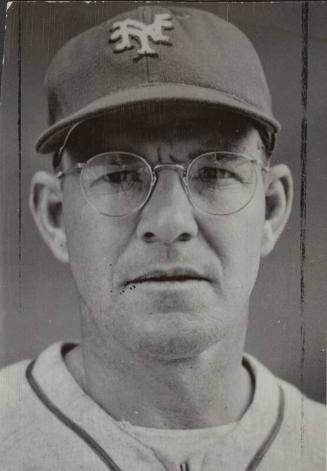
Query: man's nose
x=168, y=215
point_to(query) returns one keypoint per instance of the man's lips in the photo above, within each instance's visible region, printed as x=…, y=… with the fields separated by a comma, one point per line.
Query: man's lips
x=177, y=275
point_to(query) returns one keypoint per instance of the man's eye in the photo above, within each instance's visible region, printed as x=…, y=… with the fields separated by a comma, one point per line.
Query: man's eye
x=122, y=176
x=214, y=173
x=115, y=177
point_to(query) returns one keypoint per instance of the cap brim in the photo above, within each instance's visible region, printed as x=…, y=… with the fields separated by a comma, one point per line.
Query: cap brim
x=51, y=139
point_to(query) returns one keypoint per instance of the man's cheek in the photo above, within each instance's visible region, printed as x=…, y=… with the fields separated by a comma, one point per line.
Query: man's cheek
x=250, y=256
x=242, y=254
x=90, y=262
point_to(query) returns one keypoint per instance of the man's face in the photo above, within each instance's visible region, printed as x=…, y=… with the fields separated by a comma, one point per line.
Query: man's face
x=171, y=318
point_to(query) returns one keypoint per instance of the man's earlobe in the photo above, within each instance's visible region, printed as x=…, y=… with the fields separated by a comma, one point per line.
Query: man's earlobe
x=46, y=207
x=279, y=198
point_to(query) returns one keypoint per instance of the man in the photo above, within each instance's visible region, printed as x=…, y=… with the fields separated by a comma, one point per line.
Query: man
x=163, y=201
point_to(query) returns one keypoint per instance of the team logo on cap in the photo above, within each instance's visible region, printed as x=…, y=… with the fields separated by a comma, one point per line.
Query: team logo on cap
x=142, y=33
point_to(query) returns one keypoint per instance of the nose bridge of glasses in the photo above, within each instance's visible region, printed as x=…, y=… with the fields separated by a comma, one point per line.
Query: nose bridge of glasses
x=180, y=169
x=177, y=167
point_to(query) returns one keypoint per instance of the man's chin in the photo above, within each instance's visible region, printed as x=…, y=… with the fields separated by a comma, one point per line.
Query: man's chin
x=178, y=340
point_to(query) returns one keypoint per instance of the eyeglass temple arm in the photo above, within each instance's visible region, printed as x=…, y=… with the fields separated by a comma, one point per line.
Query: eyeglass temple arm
x=58, y=155
x=60, y=174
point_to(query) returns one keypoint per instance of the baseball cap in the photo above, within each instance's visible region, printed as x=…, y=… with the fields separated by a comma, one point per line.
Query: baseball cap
x=152, y=54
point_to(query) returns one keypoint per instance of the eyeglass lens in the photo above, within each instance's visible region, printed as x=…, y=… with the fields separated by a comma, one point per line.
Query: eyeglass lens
x=119, y=183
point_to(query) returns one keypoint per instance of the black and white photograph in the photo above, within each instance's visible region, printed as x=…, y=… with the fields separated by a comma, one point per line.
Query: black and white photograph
x=163, y=236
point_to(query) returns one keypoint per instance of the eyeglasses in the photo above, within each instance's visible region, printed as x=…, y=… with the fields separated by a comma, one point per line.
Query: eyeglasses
x=121, y=183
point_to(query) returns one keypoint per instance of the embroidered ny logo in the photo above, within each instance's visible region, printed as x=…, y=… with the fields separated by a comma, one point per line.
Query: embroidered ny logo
x=125, y=30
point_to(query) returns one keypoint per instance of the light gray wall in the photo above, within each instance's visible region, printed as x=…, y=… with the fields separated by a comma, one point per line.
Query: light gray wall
x=38, y=301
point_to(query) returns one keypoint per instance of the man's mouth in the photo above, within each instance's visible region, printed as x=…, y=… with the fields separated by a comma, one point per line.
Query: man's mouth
x=175, y=275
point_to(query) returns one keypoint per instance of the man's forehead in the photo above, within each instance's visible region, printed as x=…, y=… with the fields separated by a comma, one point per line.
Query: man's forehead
x=162, y=123
x=184, y=131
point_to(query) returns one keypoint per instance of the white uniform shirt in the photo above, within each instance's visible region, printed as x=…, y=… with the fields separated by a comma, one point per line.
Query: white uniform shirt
x=48, y=423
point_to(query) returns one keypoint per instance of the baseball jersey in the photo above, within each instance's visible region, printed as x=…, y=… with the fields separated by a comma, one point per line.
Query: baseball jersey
x=47, y=422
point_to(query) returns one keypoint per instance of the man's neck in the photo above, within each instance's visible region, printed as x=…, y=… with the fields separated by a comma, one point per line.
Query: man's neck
x=208, y=390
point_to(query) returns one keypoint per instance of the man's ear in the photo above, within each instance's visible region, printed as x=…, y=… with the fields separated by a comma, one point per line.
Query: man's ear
x=279, y=198
x=46, y=206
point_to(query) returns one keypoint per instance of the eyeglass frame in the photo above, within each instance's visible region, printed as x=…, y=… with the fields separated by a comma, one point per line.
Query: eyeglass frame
x=154, y=174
